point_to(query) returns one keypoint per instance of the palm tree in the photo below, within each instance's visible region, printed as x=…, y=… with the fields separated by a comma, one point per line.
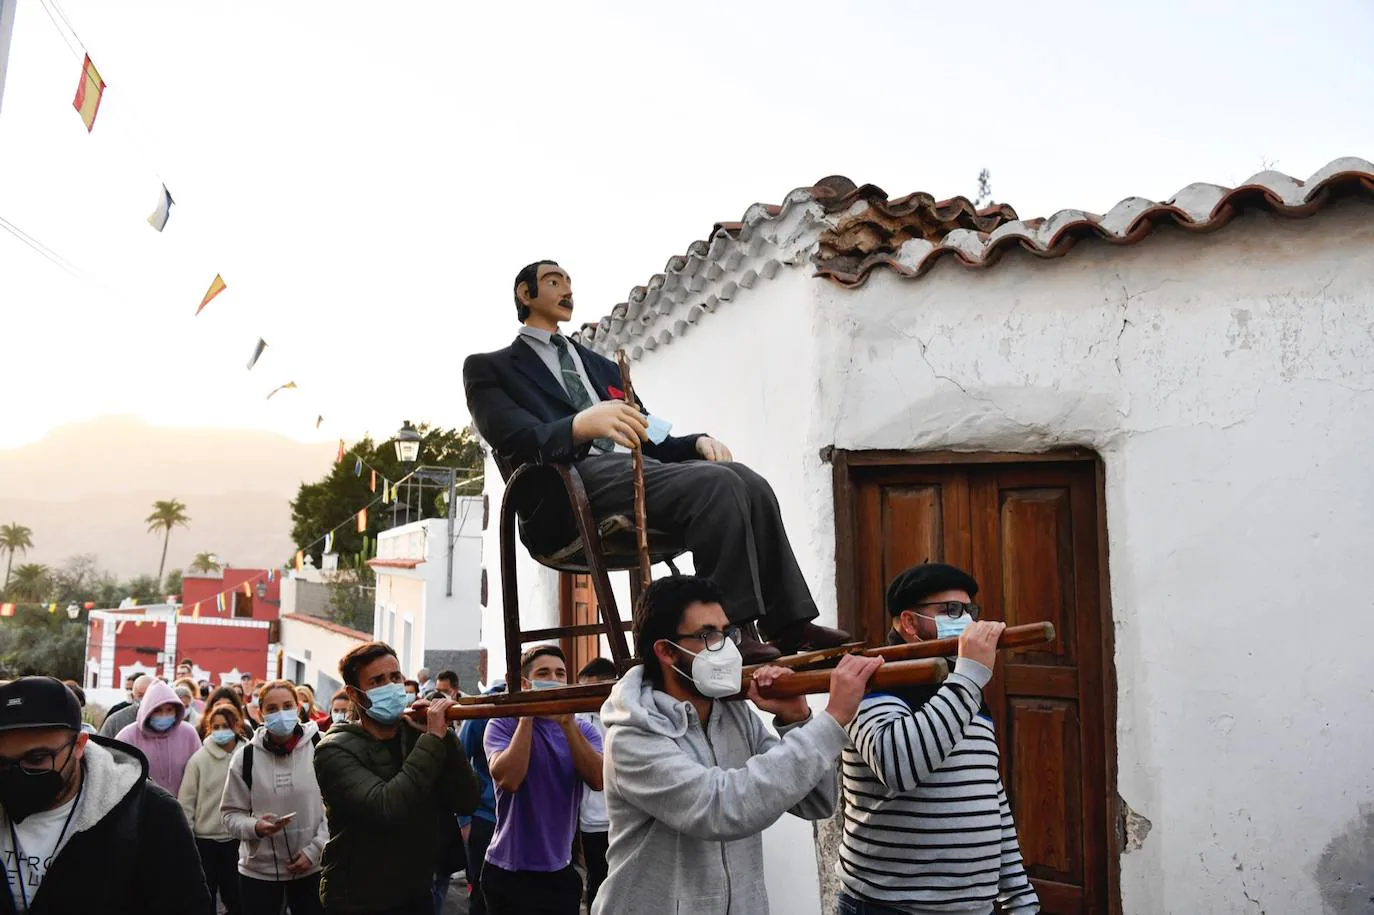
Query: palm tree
x=167, y=514
x=14, y=538
x=31, y=582
x=204, y=563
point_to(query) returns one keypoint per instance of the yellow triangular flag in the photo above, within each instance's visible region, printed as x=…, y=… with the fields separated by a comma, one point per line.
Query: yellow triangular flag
x=52, y=607
x=88, y=93
x=215, y=289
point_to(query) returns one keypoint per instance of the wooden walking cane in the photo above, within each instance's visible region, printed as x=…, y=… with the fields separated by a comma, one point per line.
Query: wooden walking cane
x=641, y=522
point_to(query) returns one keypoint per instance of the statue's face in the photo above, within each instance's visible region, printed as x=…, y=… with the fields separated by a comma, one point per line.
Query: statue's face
x=552, y=301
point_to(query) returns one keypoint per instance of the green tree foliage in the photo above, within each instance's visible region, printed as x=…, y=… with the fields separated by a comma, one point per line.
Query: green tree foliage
x=339, y=495
x=205, y=564
x=167, y=514
x=14, y=538
x=31, y=582
x=173, y=583
x=34, y=641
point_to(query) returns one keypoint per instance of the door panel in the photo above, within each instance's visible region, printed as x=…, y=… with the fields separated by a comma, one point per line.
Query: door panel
x=578, y=607
x=1029, y=533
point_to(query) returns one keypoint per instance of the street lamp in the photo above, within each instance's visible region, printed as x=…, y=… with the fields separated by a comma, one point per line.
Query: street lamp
x=73, y=611
x=407, y=444
x=262, y=590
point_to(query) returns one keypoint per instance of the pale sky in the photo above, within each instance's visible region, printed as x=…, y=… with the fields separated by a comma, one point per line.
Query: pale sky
x=368, y=177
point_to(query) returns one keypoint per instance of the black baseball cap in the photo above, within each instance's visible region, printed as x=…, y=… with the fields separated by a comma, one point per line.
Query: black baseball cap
x=38, y=702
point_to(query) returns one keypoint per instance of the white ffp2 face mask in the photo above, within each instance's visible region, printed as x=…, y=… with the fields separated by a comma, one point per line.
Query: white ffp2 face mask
x=718, y=673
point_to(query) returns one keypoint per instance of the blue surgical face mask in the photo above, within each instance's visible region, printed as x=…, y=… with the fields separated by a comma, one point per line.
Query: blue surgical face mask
x=547, y=684
x=338, y=717
x=162, y=723
x=947, y=628
x=388, y=702
x=224, y=736
x=281, y=723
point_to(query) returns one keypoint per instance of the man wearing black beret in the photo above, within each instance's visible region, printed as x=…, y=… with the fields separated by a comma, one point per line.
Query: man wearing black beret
x=82, y=829
x=929, y=827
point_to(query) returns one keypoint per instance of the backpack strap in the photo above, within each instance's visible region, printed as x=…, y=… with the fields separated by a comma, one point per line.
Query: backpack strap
x=248, y=769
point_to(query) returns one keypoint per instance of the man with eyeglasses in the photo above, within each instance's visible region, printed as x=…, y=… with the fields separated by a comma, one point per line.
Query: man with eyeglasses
x=691, y=782
x=928, y=827
x=82, y=829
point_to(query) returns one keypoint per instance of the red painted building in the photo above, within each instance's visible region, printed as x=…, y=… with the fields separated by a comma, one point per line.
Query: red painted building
x=261, y=600
x=153, y=640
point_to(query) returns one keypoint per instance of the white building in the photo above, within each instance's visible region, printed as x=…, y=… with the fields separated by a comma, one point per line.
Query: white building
x=1159, y=443
x=311, y=649
x=430, y=623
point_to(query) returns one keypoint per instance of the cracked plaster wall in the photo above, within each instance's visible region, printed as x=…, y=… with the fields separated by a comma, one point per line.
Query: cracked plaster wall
x=1227, y=380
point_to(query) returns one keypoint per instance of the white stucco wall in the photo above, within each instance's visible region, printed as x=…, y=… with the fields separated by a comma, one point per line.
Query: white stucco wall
x=419, y=595
x=319, y=647
x=1226, y=381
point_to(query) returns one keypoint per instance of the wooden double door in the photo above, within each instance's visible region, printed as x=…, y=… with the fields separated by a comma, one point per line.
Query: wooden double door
x=1031, y=533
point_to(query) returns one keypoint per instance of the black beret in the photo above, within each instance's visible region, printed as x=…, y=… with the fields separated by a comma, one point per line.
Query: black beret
x=919, y=582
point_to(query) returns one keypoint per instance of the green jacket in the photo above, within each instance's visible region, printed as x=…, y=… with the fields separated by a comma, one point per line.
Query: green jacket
x=384, y=801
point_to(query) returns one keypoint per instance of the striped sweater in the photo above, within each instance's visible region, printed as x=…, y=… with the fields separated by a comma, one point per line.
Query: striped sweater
x=927, y=825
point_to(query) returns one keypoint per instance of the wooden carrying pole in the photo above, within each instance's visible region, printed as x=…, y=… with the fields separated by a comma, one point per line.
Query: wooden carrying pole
x=641, y=514
x=800, y=683
x=1013, y=637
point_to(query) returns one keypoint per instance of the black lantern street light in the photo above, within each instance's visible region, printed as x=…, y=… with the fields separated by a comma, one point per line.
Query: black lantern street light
x=408, y=452
x=73, y=611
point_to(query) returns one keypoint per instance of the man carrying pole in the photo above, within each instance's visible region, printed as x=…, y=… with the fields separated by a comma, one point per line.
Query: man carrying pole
x=691, y=783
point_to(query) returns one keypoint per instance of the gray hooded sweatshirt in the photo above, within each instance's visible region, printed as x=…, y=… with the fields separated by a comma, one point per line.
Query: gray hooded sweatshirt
x=688, y=805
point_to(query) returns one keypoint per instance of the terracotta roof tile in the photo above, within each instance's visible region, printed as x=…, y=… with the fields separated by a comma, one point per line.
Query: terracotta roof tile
x=1196, y=208
x=847, y=231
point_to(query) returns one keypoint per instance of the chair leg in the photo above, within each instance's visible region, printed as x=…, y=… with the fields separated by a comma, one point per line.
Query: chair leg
x=610, y=614
x=510, y=597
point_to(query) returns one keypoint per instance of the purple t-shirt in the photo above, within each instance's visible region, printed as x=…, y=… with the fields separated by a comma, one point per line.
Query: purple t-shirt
x=535, y=824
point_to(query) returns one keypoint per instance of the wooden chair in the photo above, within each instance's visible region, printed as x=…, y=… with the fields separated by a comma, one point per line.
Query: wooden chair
x=601, y=547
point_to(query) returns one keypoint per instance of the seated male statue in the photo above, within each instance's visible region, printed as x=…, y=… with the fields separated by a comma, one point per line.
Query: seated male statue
x=547, y=399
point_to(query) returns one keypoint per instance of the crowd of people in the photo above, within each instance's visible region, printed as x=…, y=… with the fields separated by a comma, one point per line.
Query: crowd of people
x=251, y=798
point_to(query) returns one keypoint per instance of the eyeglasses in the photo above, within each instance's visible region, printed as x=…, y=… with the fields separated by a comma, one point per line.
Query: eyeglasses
x=953, y=608
x=713, y=639
x=36, y=762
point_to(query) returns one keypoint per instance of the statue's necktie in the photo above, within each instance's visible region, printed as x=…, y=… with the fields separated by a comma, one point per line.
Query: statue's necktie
x=577, y=391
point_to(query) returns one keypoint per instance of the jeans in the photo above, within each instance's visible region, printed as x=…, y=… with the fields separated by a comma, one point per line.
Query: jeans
x=532, y=892
x=220, y=862
x=848, y=905
x=264, y=897
x=594, y=856
x=479, y=837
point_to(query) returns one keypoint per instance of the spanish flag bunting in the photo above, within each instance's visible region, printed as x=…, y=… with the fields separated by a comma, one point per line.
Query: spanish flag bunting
x=362, y=521
x=300, y=560
x=88, y=93
x=373, y=485
x=339, y=459
x=120, y=628
x=215, y=289
x=247, y=589
x=164, y=210
x=290, y=385
x=257, y=354
x=6, y=609
x=195, y=611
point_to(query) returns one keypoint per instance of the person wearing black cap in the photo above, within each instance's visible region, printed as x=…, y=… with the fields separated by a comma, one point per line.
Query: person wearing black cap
x=928, y=825
x=82, y=829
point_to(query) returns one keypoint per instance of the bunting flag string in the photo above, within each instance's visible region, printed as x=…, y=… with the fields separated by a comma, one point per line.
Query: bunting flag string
x=373, y=484
x=6, y=609
x=300, y=560
x=164, y=211
x=88, y=93
x=257, y=354
x=357, y=466
x=319, y=420
x=329, y=542
x=216, y=287
x=339, y=459
x=362, y=521
x=289, y=386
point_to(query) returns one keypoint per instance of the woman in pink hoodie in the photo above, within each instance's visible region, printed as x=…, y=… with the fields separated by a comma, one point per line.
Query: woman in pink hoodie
x=163, y=736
